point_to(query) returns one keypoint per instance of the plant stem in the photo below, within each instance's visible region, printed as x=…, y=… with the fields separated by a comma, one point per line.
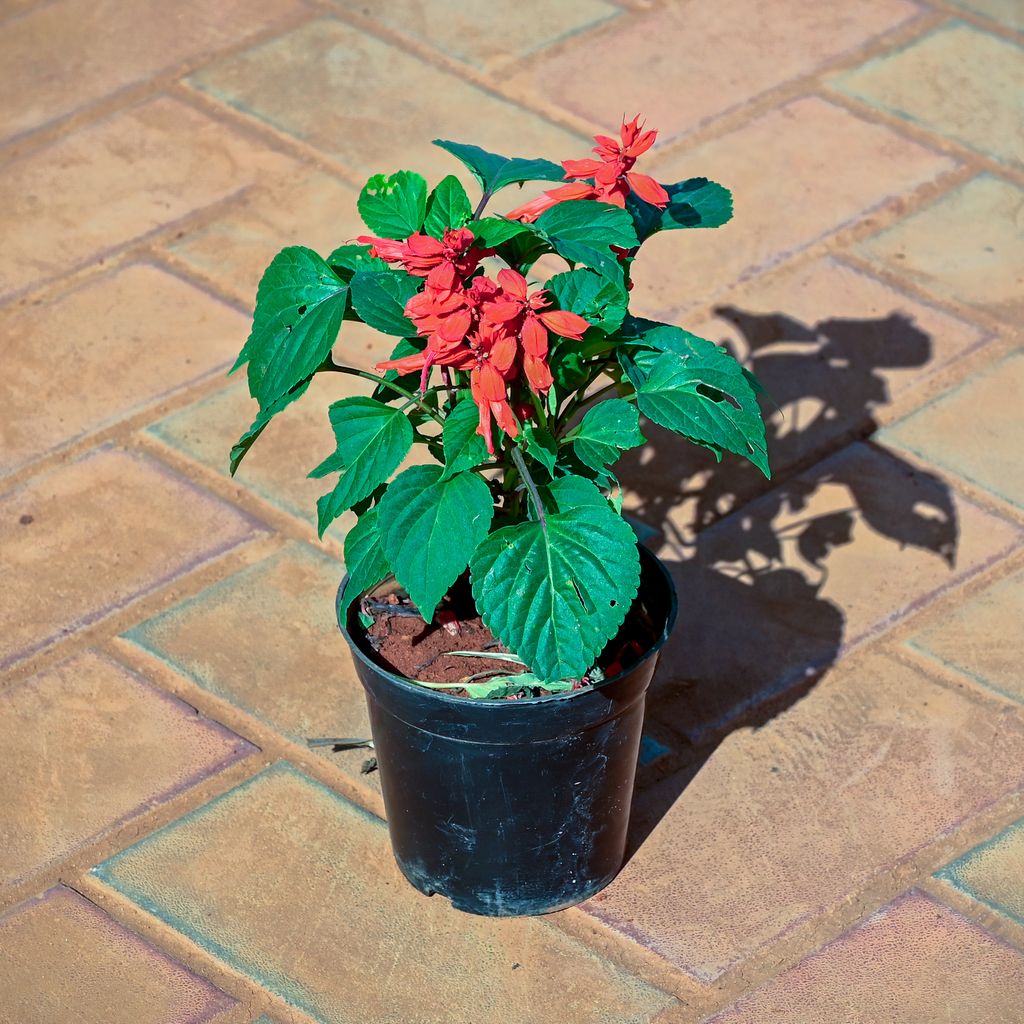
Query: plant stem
x=517, y=458
x=330, y=365
x=484, y=199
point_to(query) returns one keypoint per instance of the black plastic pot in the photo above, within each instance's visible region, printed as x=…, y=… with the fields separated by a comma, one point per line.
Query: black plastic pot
x=512, y=807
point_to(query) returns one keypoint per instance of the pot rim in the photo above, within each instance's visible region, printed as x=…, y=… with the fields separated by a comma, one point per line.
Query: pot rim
x=409, y=685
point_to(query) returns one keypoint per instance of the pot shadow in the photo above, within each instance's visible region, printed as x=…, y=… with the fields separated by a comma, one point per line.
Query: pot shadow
x=750, y=558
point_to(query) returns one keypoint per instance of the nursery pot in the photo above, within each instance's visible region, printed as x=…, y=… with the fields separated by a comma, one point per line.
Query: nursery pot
x=511, y=807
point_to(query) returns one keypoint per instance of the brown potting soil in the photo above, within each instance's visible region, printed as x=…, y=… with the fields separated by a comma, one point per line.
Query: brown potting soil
x=402, y=642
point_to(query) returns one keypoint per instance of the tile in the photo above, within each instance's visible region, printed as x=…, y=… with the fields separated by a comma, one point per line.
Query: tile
x=993, y=872
x=915, y=962
x=781, y=823
x=132, y=338
x=968, y=246
x=1009, y=12
x=114, y=181
x=297, y=439
x=846, y=167
x=294, y=887
x=982, y=637
x=63, y=961
x=87, y=538
x=958, y=81
x=87, y=746
x=818, y=564
x=266, y=639
x=394, y=103
x=107, y=45
x=672, y=58
x=233, y=249
x=509, y=29
x=972, y=430
x=832, y=346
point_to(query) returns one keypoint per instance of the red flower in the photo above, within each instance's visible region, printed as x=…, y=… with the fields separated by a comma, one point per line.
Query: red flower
x=612, y=173
x=527, y=317
x=442, y=262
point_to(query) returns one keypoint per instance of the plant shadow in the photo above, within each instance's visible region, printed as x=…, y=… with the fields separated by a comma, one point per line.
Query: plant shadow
x=751, y=558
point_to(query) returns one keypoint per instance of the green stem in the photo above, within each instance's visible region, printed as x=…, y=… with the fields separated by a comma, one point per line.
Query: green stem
x=484, y=199
x=517, y=458
x=334, y=367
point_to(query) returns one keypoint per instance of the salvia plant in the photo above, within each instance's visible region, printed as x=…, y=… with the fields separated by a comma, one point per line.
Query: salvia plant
x=525, y=393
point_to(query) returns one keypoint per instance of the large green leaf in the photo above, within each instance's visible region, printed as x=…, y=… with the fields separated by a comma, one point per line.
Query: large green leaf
x=694, y=203
x=241, y=447
x=448, y=207
x=394, y=206
x=606, y=431
x=494, y=171
x=379, y=297
x=464, y=448
x=429, y=527
x=690, y=385
x=600, y=301
x=365, y=560
x=300, y=304
x=582, y=230
x=556, y=591
x=372, y=441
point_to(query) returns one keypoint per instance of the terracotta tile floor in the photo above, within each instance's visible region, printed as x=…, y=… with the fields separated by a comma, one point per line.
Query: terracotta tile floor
x=830, y=801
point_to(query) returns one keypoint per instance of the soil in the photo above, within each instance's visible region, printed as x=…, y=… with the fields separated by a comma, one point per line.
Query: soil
x=400, y=641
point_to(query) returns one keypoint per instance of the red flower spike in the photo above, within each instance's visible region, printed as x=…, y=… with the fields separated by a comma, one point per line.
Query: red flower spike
x=442, y=261
x=612, y=174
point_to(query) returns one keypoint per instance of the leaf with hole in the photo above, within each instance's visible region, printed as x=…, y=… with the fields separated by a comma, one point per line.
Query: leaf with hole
x=606, y=431
x=692, y=386
x=380, y=298
x=429, y=528
x=300, y=304
x=555, y=591
x=372, y=441
x=394, y=206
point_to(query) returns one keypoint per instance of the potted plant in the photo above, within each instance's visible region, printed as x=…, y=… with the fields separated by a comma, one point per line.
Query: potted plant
x=504, y=621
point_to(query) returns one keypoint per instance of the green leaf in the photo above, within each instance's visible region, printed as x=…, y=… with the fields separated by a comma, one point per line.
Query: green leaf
x=599, y=300
x=464, y=448
x=690, y=385
x=606, y=431
x=492, y=231
x=380, y=298
x=372, y=441
x=694, y=203
x=241, y=447
x=394, y=207
x=540, y=445
x=365, y=560
x=448, y=207
x=582, y=230
x=556, y=591
x=347, y=259
x=494, y=172
x=429, y=527
x=300, y=304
